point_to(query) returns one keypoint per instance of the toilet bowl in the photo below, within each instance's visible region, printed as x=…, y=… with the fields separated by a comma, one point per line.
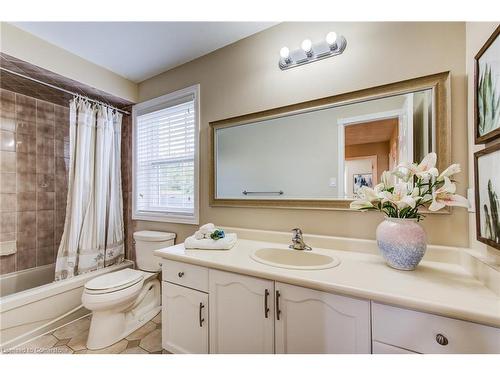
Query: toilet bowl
x=123, y=301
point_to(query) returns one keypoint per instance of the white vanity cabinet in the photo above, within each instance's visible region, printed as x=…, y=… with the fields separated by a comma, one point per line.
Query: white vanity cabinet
x=184, y=308
x=252, y=315
x=310, y=321
x=241, y=313
x=184, y=320
x=210, y=311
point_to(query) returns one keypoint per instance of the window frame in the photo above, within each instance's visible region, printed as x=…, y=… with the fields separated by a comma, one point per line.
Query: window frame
x=156, y=104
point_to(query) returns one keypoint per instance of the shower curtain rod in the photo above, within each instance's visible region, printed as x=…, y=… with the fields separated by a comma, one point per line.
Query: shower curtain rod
x=63, y=90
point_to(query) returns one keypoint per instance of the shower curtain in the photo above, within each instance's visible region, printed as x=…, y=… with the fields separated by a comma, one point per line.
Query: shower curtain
x=93, y=235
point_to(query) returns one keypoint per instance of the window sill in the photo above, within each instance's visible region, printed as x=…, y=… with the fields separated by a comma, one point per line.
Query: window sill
x=164, y=218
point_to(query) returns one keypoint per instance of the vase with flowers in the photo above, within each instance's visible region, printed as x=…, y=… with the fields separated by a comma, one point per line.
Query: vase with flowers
x=401, y=195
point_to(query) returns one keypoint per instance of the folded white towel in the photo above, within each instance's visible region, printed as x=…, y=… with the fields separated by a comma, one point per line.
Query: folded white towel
x=208, y=244
x=198, y=235
x=207, y=228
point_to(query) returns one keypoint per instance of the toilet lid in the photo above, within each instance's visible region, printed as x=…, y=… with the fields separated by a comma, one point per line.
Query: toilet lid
x=115, y=280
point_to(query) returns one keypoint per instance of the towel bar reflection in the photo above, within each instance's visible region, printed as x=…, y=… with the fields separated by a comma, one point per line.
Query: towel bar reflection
x=245, y=192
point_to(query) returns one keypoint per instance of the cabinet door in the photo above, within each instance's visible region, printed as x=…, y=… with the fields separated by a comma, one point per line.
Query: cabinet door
x=310, y=321
x=239, y=321
x=184, y=320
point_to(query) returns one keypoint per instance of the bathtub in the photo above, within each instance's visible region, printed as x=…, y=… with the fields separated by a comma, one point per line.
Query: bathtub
x=31, y=303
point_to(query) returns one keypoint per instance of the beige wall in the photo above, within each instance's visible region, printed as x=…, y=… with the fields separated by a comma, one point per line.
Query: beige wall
x=477, y=33
x=244, y=78
x=27, y=47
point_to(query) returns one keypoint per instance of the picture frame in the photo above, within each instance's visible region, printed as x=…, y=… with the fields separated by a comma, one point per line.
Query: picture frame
x=487, y=90
x=360, y=180
x=487, y=193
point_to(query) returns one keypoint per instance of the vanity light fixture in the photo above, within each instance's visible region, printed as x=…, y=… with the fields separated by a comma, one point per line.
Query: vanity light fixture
x=307, y=47
x=285, y=55
x=332, y=45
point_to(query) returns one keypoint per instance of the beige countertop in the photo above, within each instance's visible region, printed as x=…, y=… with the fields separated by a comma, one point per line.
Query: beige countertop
x=436, y=286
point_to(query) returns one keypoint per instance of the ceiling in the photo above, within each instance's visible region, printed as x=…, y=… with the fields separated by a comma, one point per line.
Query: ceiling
x=141, y=50
x=370, y=132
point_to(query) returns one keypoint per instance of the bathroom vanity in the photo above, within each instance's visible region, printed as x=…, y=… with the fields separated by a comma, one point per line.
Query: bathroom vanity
x=228, y=302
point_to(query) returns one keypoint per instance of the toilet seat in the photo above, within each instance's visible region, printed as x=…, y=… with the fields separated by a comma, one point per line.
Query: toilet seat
x=114, y=281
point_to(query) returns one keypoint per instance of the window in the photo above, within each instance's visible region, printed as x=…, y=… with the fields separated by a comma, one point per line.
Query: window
x=165, y=152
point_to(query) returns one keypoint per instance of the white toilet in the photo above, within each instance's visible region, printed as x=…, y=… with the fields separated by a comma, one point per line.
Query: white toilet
x=123, y=301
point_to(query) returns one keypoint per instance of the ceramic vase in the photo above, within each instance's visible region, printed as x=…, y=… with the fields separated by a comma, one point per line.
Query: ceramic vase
x=402, y=242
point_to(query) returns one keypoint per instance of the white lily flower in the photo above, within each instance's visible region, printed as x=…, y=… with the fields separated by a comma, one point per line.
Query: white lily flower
x=403, y=172
x=401, y=196
x=445, y=196
x=450, y=171
x=387, y=179
x=360, y=204
x=368, y=197
x=426, y=168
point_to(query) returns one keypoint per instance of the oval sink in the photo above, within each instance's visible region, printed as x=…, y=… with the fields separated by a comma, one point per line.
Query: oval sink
x=294, y=259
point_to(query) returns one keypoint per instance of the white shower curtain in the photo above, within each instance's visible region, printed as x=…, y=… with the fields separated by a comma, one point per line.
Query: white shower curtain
x=93, y=231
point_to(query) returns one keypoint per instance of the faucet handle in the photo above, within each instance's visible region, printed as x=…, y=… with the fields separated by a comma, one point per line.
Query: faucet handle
x=297, y=232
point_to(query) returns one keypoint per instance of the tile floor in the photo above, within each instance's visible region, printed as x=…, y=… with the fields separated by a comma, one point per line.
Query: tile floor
x=71, y=339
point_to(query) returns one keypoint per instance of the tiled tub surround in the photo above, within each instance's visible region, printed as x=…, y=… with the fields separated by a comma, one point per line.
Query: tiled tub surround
x=34, y=141
x=34, y=138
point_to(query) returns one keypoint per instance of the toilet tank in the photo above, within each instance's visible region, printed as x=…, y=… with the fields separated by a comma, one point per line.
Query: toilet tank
x=146, y=241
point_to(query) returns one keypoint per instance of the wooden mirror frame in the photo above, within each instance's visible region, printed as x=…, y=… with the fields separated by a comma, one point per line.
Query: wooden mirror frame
x=440, y=83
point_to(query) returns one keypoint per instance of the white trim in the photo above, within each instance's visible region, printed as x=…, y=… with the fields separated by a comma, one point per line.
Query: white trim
x=347, y=121
x=165, y=100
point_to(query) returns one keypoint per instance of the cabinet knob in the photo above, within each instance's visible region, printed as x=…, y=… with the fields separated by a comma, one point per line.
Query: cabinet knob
x=441, y=339
x=180, y=274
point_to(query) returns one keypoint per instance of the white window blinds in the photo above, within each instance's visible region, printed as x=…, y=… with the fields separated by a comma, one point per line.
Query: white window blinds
x=165, y=158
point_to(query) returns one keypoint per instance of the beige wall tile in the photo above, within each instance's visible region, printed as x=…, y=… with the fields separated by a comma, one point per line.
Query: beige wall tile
x=26, y=163
x=8, y=124
x=45, y=164
x=8, y=222
x=7, y=104
x=45, y=145
x=26, y=239
x=25, y=108
x=7, y=141
x=7, y=182
x=26, y=201
x=26, y=143
x=45, y=200
x=44, y=255
x=8, y=202
x=26, y=258
x=7, y=161
x=8, y=264
x=26, y=182
x=26, y=127
x=26, y=222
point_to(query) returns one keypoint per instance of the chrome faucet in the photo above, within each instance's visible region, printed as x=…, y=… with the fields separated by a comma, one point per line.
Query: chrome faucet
x=297, y=241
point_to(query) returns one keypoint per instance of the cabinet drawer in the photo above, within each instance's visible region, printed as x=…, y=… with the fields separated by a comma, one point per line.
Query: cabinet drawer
x=421, y=332
x=185, y=274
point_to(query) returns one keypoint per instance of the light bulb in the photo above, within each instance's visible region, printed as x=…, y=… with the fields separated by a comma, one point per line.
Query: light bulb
x=284, y=53
x=306, y=45
x=331, y=38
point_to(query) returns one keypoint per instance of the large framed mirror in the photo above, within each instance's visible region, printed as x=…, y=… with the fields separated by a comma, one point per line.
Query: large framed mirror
x=317, y=154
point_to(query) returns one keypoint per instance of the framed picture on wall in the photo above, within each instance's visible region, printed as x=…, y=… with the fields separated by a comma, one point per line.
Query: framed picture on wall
x=360, y=180
x=487, y=90
x=487, y=185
